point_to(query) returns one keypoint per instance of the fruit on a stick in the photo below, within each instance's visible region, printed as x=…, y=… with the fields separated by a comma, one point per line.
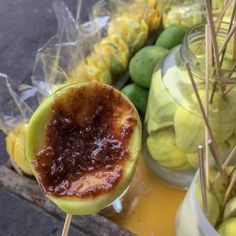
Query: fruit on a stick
x=15, y=143
x=161, y=145
x=230, y=209
x=83, y=144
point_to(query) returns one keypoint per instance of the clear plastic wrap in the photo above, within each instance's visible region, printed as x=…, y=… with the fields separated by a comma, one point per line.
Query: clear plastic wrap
x=17, y=103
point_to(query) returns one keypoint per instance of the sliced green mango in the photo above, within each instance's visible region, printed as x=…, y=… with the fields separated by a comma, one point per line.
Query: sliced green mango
x=230, y=209
x=161, y=106
x=213, y=205
x=189, y=126
x=36, y=141
x=163, y=150
x=228, y=227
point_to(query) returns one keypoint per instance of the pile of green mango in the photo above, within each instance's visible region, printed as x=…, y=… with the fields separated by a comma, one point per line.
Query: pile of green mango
x=175, y=126
x=144, y=62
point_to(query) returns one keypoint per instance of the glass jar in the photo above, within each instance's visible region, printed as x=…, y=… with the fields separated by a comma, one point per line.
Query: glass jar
x=173, y=124
x=190, y=219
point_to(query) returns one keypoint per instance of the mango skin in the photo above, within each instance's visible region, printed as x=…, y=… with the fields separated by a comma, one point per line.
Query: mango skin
x=15, y=144
x=74, y=205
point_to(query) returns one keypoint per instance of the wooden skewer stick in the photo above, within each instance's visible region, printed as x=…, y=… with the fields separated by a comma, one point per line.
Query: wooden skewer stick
x=66, y=225
x=227, y=161
x=213, y=143
x=218, y=161
x=202, y=179
x=208, y=62
x=229, y=29
x=213, y=37
x=229, y=36
x=222, y=13
x=230, y=188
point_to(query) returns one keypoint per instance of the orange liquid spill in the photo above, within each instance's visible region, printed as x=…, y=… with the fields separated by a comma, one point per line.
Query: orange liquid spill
x=149, y=206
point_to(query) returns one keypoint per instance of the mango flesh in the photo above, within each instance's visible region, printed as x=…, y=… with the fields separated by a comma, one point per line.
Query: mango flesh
x=161, y=106
x=213, y=205
x=186, y=123
x=76, y=205
x=230, y=209
x=15, y=143
x=161, y=146
x=228, y=227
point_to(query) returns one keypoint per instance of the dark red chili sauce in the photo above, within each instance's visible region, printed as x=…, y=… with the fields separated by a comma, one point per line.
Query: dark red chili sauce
x=87, y=135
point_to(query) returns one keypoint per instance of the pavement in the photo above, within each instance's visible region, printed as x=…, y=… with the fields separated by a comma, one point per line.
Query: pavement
x=25, y=25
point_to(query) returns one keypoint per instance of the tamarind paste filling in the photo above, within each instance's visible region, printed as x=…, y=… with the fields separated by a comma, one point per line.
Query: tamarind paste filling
x=86, y=143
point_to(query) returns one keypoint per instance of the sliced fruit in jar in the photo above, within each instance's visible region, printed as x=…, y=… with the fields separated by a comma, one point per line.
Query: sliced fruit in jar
x=83, y=144
x=162, y=148
x=212, y=203
x=228, y=227
x=189, y=125
x=161, y=106
x=230, y=209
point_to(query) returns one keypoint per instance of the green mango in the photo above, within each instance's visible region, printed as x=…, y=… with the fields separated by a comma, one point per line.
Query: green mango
x=228, y=227
x=161, y=106
x=161, y=146
x=213, y=205
x=36, y=138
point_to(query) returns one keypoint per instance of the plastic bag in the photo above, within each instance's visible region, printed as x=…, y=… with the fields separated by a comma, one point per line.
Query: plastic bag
x=16, y=107
x=60, y=56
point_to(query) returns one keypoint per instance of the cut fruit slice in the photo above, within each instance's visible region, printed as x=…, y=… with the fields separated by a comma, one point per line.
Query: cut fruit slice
x=161, y=146
x=83, y=144
x=230, y=209
x=228, y=227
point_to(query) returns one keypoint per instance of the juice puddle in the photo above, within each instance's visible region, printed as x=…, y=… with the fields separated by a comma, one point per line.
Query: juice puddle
x=149, y=206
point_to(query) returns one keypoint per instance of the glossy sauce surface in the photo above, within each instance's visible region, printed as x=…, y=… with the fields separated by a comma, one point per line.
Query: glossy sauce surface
x=87, y=141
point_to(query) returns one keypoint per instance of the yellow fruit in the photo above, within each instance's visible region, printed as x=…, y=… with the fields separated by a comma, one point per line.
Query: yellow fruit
x=114, y=53
x=15, y=143
x=85, y=73
x=162, y=148
x=212, y=203
x=161, y=106
x=74, y=147
x=230, y=209
x=150, y=12
x=131, y=29
x=228, y=227
x=189, y=126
